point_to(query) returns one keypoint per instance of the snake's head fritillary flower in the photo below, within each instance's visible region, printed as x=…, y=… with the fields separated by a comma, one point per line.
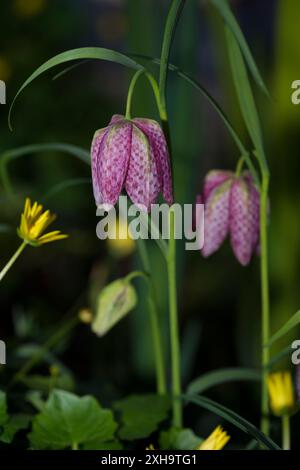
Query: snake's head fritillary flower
x=231, y=208
x=281, y=392
x=216, y=441
x=34, y=222
x=131, y=154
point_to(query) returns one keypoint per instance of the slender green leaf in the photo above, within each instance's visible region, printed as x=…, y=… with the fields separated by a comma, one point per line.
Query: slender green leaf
x=232, y=418
x=288, y=326
x=221, y=376
x=169, y=33
x=245, y=95
x=9, y=155
x=279, y=356
x=194, y=83
x=76, y=54
x=252, y=445
x=225, y=11
x=70, y=183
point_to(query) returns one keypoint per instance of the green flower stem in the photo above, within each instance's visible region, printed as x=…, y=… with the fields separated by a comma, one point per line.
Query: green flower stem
x=57, y=336
x=155, y=88
x=286, y=432
x=171, y=23
x=155, y=324
x=130, y=92
x=12, y=260
x=239, y=167
x=265, y=425
x=174, y=328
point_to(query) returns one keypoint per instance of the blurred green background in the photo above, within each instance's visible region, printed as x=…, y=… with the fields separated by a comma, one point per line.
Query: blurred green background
x=219, y=300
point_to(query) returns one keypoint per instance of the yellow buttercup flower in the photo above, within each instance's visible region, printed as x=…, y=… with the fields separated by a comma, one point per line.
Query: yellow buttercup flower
x=33, y=224
x=216, y=441
x=281, y=392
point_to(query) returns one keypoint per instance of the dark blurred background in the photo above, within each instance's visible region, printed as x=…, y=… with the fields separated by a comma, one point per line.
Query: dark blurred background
x=219, y=300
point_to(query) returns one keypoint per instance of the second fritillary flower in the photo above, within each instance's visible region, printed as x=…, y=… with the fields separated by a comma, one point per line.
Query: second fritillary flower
x=231, y=208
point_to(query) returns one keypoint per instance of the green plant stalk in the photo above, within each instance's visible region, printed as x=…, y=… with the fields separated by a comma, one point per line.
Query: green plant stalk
x=155, y=325
x=265, y=426
x=12, y=260
x=171, y=23
x=286, y=432
x=174, y=328
x=130, y=93
x=155, y=88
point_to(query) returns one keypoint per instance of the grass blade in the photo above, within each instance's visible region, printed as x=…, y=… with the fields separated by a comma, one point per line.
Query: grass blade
x=232, y=418
x=76, y=54
x=225, y=11
x=289, y=325
x=13, y=154
x=244, y=93
x=220, y=376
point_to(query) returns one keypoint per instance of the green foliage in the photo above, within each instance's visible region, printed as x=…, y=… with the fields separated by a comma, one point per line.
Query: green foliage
x=77, y=54
x=179, y=439
x=244, y=92
x=217, y=377
x=141, y=415
x=115, y=301
x=44, y=383
x=288, y=326
x=224, y=9
x=232, y=418
x=69, y=421
x=10, y=425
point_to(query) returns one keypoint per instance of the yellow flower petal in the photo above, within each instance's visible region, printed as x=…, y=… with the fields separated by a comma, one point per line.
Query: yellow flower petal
x=281, y=392
x=216, y=441
x=33, y=224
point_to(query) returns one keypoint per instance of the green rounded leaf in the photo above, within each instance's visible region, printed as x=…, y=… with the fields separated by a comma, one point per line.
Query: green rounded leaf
x=141, y=415
x=70, y=421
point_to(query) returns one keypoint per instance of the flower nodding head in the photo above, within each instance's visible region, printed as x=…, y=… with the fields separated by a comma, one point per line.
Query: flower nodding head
x=131, y=154
x=231, y=208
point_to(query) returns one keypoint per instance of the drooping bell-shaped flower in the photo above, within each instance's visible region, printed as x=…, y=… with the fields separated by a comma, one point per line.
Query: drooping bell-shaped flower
x=131, y=154
x=231, y=208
